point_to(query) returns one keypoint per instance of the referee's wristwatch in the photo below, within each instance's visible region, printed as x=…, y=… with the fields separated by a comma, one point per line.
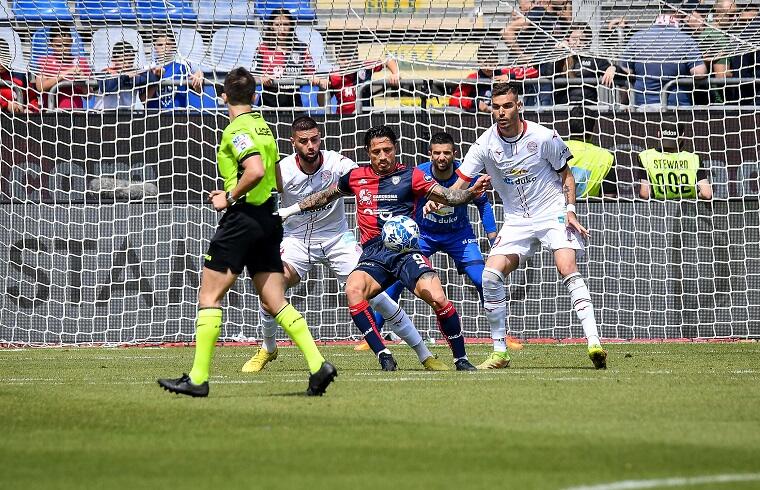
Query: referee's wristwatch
x=230, y=200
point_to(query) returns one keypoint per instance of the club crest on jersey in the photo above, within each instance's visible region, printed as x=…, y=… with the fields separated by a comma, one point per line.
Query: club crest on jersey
x=326, y=176
x=395, y=179
x=518, y=176
x=532, y=146
x=365, y=197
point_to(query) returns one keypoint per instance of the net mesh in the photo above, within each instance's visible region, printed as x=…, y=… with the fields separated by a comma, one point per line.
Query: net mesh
x=110, y=121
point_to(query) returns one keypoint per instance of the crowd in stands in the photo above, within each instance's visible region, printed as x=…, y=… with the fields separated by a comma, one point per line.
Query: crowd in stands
x=649, y=59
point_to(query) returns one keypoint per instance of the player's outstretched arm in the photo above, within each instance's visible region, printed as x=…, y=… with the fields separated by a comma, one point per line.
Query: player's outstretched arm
x=432, y=206
x=309, y=203
x=454, y=197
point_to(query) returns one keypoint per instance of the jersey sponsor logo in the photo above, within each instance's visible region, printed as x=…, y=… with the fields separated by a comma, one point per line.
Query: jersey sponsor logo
x=519, y=176
x=532, y=147
x=363, y=182
x=365, y=197
x=263, y=131
x=383, y=215
x=469, y=240
x=242, y=142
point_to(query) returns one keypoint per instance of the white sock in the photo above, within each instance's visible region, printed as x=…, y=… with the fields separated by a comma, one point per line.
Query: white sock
x=269, y=329
x=400, y=323
x=495, y=304
x=581, y=299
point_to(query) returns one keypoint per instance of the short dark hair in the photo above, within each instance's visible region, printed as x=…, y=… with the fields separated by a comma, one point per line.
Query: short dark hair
x=123, y=48
x=240, y=86
x=303, y=123
x=442, y=138
x=167, y=33
x=504, y=88
x=378, y=132
x=59, y=31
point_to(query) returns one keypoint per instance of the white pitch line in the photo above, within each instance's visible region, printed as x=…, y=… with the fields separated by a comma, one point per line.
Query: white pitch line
x=671, y=482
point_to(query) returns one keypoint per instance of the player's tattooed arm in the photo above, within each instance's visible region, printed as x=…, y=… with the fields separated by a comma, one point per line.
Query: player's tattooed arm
x=320, y=199
x=309, y=203
x=455, y=197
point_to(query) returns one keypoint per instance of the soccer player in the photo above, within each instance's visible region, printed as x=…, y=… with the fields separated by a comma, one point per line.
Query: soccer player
x=383, y=189
x=528, y=164
x=322, y=236
x=249, y=235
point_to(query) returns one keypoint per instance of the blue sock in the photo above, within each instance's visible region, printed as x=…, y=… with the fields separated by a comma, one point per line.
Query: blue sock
x=475, y=273
x=451, y=328
x=394, y=291
x=364, y=319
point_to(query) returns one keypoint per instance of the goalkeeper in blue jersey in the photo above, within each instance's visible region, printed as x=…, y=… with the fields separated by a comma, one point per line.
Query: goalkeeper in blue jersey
x=449, y=230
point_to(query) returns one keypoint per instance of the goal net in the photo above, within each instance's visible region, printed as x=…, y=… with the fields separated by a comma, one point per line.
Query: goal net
x=110, y=121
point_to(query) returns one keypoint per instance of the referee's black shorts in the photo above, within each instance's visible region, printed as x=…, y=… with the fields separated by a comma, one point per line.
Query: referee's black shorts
x=247, y=236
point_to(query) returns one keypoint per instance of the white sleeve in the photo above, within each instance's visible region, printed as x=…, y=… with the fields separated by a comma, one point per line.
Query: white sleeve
x=345, y=165
x=474, y=162
x=556, y=152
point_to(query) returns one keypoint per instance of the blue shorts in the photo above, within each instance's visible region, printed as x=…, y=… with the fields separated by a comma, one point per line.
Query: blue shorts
x=387, y=267
x=462, y=246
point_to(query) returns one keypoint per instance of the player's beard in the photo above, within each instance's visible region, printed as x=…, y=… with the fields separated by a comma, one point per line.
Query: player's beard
x=307, y=159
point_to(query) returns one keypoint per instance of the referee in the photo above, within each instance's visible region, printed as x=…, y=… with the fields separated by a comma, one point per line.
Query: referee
x=249, y=235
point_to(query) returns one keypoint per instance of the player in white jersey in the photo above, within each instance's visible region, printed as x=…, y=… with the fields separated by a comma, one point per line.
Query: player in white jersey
x=527, y=163
x=322, y=236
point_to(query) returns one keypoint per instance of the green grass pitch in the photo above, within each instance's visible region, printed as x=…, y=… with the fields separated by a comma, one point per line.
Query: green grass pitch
x=95, y=418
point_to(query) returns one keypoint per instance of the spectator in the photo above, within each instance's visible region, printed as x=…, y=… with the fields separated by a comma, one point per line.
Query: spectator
x=670, y=173
x=171, y=66
x=282, y=55
x=15, y=96
x=746, y=65
x=125, y=89
x=717, y=42
x=63, y=66
x=590, y=163
x=344, y=84
x=477, y=97
x=587, y=68
x=537, y=32
x=659, y=54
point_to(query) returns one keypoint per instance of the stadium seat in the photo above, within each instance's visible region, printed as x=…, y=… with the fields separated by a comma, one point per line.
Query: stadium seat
x=18, y=60
x=225, y=11
x=5, y=10
x=41, y=47
x=165, y=10
x=105, y=10
x=234, y=46
x=190, y=45
x=301, y=9
x=103, y=41
x=42, y=11
x=313, y=39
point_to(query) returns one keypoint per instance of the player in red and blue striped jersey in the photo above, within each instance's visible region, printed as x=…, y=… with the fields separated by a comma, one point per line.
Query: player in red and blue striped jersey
x=383, y=189
x=448, y=229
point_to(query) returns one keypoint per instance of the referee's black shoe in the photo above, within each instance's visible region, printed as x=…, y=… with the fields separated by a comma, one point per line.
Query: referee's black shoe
x=319, y=381
x=387, y=362
x=464, y=365
x=183, y=386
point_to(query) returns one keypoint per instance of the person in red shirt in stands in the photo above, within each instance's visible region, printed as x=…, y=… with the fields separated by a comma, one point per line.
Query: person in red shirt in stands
x=351, y=81
x=282, y=55
x=477, y=96
x=62, y=65
x=15, y=96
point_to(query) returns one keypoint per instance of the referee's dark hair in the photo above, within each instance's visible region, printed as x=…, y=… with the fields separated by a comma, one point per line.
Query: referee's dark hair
x=504, y=88
x=303, y=123
x=442, y=138
x=379, y=132
x=240, y=87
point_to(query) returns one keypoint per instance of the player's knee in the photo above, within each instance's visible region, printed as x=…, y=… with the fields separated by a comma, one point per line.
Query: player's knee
x=492, y=279
x=356, y=292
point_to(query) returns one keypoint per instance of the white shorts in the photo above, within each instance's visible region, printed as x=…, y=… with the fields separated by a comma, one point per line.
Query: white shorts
x=526, y=236
x=341, y=254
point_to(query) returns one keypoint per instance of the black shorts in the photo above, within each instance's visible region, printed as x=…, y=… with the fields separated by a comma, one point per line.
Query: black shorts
x=387, y=267
x=247, y=236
